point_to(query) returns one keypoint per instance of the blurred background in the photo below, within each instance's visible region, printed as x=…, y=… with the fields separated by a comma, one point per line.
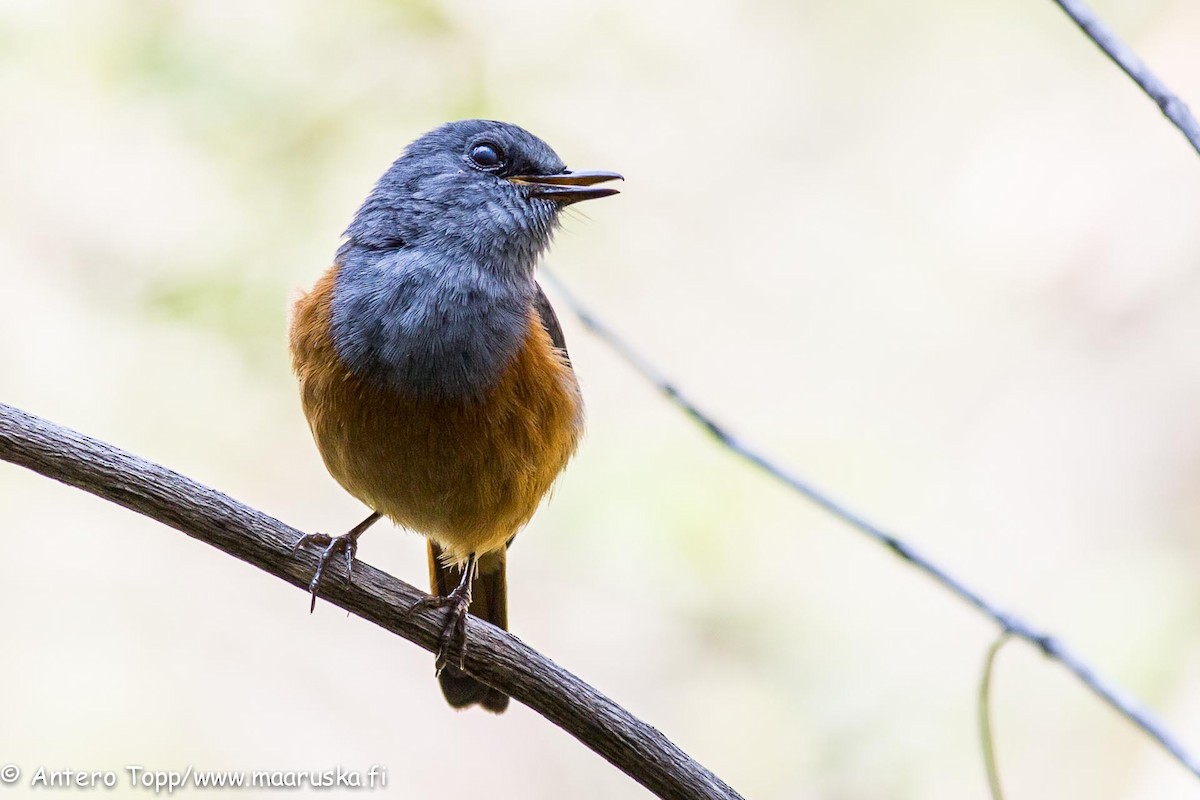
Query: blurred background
x=942, y=258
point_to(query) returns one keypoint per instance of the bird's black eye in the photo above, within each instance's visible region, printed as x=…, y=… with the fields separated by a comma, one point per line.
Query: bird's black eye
x=486, y=155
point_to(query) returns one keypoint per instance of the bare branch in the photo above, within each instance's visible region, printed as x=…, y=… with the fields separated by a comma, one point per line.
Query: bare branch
x=493, y=656
x=1125, y=705
x=985, y=717
x=1124, y=57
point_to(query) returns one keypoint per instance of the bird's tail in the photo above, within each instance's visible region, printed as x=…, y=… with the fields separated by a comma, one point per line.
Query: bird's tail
x=489, y=600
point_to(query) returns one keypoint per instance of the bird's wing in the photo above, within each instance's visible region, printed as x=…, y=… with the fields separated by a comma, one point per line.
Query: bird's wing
x=550, y=322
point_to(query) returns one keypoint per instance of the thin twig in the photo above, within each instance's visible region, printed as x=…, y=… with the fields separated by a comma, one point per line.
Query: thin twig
x=1123, y=56
x=495, y=657
x=1127, y=706
x=985, y=717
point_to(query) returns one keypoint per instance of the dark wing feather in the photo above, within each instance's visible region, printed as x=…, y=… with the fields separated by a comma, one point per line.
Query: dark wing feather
x=550, y=322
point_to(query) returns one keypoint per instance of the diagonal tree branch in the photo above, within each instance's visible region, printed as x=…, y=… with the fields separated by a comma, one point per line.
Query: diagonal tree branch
x=493, y=656
x=1123, y=56
x=1009, y=623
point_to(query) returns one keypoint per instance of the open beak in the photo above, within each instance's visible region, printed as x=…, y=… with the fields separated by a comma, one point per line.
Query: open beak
x=569, y=187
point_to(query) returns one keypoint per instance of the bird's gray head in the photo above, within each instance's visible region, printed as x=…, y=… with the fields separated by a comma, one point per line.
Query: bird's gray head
x=488, y=190
x=435, y=284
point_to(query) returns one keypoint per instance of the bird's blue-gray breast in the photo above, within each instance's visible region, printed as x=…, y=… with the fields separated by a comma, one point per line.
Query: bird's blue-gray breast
x=416, y=324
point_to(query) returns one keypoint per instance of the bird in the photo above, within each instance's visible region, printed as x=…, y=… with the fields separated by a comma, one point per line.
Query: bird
x=433, y=371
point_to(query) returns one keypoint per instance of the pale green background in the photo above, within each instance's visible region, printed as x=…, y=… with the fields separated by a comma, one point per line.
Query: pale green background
x=942, y=257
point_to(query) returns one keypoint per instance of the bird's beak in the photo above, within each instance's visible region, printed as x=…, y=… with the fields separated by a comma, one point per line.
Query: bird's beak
x=569, y=187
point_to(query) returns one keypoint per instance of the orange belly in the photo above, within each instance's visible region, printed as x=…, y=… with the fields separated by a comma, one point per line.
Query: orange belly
x=466, y=474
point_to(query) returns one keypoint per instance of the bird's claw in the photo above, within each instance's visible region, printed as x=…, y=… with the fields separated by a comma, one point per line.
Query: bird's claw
x=347, y=543
x=453, y=640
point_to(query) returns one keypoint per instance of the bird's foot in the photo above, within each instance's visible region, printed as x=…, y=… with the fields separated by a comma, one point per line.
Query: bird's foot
x=453, y=641
x=347, y=543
